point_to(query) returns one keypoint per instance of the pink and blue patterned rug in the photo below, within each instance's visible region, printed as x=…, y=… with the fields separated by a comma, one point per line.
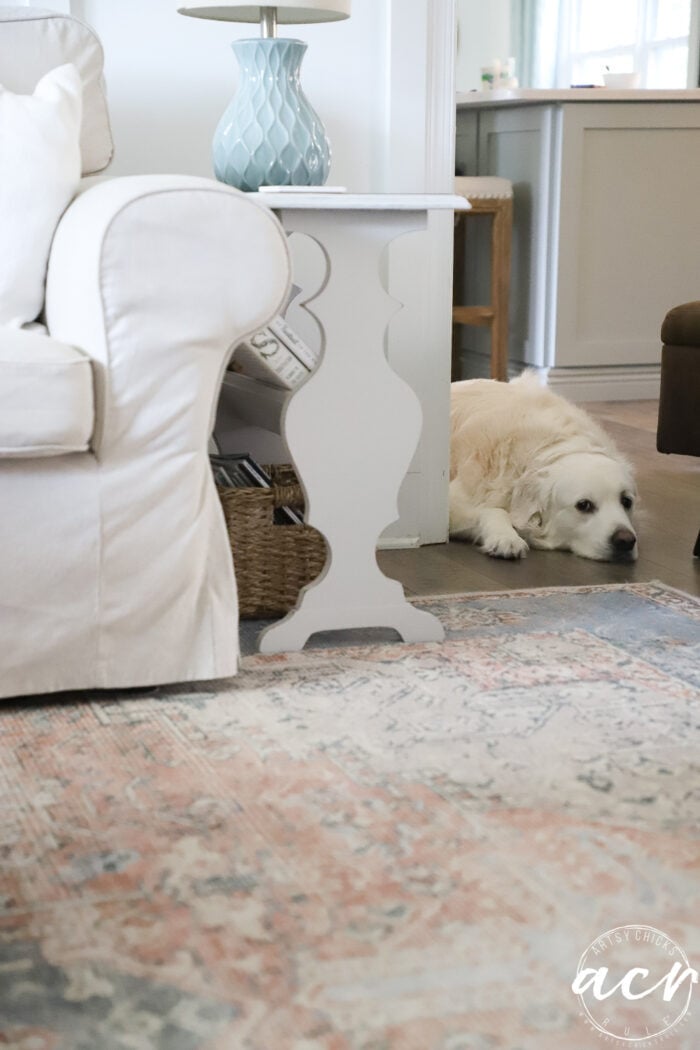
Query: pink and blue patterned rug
x=366, y=847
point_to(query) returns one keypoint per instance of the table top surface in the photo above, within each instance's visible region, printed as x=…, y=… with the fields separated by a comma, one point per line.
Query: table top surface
x=331, y=201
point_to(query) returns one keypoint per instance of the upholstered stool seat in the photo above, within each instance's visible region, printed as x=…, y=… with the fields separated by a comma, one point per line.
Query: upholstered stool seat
x=488, y=195
x=678, y=429
x=483, y=187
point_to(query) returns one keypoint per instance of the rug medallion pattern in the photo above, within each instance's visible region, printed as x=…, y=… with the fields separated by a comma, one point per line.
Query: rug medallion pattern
x=372, y=846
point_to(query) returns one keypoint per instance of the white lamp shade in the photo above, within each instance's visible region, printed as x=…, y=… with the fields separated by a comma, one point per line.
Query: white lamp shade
x=289, y=12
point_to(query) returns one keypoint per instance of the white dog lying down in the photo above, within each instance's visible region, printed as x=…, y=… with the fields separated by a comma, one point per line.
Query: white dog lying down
x=529, y=469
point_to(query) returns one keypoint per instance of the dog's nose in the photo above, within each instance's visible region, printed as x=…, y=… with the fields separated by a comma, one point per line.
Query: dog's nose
x=622, y=540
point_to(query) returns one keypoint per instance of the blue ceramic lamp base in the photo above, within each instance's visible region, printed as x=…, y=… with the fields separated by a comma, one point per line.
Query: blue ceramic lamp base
x=270, y=135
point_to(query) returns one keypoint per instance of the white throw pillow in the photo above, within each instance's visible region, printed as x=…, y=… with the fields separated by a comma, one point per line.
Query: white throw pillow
x=39, y=174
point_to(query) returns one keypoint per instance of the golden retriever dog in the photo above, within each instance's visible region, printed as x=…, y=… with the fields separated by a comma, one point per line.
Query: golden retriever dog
x=529, y=469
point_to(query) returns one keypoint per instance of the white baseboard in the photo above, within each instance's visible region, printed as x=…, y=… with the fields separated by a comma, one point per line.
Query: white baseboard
x=395, y=543
x=633, y=383
x=601, y=383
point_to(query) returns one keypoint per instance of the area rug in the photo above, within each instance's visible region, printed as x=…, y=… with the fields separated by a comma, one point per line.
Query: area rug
x=366, y=847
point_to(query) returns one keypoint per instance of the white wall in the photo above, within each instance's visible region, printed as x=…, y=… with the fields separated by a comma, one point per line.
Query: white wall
x=170, y=78
x=377, y=80
x=484, y=34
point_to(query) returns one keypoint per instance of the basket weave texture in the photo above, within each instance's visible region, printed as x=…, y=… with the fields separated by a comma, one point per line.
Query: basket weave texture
x=272, y=562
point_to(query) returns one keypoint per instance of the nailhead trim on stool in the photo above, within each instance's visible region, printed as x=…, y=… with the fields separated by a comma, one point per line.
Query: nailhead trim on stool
x=488, y=195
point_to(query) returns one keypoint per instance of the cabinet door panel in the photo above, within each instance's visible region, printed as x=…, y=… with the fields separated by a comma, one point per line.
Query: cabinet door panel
x=629, y=243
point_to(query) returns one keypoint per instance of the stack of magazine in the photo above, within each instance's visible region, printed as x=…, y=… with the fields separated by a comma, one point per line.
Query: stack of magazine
x=276, y=355
x=241, y=471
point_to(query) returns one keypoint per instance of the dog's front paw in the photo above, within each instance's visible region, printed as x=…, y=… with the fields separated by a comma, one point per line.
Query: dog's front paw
x=508, y=545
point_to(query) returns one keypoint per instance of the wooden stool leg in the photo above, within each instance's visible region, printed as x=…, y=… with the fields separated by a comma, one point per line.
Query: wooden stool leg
x=495, y=315
x=500, y=284
x=457, y=290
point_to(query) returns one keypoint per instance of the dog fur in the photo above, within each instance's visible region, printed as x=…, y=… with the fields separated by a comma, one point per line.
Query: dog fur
x=529, y=469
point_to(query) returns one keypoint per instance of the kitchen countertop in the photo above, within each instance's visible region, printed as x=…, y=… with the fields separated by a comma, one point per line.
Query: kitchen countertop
x=538, y=96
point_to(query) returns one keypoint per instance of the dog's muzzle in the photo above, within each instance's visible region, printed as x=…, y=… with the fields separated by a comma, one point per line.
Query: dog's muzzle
x=622, y=543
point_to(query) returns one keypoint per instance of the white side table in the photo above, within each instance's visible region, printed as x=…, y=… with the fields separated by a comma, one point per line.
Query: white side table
x=353, y=426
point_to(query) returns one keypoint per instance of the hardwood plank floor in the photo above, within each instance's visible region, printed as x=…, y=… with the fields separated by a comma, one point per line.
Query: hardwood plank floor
x=668, y=522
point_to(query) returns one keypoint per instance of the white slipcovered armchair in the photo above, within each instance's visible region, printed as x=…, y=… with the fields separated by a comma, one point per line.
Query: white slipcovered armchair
x=115, y=568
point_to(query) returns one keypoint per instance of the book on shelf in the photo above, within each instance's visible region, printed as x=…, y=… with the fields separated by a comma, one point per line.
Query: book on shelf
x=276, y=354
x=293, y=341
x=302, y=189
x=241, y=471
x=264, y=356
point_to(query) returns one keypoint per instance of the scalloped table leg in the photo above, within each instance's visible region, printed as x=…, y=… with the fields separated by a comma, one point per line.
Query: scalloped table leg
x=352, y=428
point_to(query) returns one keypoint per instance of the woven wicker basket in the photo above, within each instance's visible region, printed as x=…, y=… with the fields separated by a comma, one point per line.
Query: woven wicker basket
x=273, y=562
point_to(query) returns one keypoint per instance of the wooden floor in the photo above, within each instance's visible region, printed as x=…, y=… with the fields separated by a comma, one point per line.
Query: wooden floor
x=668, y=523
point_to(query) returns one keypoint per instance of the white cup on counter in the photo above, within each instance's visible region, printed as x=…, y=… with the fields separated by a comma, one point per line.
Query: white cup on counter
x=622, y=80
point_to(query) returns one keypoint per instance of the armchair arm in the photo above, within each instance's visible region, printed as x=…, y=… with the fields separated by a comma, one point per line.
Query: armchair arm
x=678, y=428
x=157, y=278
x=681, y=326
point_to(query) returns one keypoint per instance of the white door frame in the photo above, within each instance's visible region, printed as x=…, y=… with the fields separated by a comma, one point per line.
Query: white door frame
x=420, y=119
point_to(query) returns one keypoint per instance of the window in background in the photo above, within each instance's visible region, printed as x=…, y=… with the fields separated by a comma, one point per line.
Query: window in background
x=564, y=42
x=645, y=36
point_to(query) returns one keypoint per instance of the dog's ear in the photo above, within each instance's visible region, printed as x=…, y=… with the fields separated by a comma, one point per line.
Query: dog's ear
x=528, y=508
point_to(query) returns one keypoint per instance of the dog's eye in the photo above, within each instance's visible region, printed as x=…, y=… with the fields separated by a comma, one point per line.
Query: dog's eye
x=627, y=502
x=586, y=506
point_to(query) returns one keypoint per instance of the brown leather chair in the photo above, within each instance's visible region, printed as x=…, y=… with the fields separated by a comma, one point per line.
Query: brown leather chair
x=678, y=427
